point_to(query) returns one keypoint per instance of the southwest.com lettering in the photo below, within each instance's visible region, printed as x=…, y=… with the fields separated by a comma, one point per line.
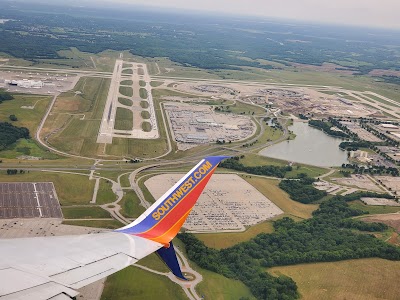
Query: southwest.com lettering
x=182, y=191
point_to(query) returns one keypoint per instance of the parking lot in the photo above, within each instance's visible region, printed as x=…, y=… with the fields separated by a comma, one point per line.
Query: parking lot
x=29, y=200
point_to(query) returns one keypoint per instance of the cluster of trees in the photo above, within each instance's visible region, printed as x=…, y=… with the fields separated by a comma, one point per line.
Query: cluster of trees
x=13, y=118
x=4, y=96
x=326, y=127
x=371, y=169
x=302, y=190
x=14, y=172
x=353, y=146
x=276, y=171
x=9, y=134
x=330, y=235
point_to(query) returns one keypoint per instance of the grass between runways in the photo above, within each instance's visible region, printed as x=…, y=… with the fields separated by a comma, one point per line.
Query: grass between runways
x=361, y=279
x=125, y=101
x=126, y=91
x=146, y=126
x=143, y=93
x=123, y=119
x=126, y=82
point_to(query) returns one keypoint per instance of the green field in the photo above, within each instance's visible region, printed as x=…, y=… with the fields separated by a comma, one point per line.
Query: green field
x=218, y=287
x=126, y=91
x=27, y=147
x=123, y=119
x=142, y=83
x=135, y=283
x=144, y=104
x=156, y=83
x=125, y=181
x=106, y=224
x=145, y=114
x=84, y=213
x=246, y=109
x=29, y=118
x=372, y=209
x=362, y=279
x=71, y=189
x=154, y=262
x=126, y=82
x=143, y=93
x=269, y=188
x=140, y=71
x=146, y=126
x=229, y=239
x=125, y=101
x=130, y=205
x=105, y=194
x=127, y=71
x=73, y=133
x=253, y=160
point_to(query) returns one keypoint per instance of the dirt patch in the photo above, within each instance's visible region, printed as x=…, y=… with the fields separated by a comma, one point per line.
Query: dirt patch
x=380, y=72
x=392, y=220
x=360, y=181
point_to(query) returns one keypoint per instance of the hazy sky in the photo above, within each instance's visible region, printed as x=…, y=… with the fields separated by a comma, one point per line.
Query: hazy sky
x=373, y=13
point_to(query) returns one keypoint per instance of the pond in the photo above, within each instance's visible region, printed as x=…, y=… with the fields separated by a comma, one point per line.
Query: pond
x=311, y=146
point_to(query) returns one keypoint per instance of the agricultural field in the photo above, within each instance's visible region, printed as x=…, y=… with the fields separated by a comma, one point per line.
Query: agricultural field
x=362, y=279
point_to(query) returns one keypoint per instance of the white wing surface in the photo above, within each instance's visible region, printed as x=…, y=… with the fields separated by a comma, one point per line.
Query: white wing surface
x=47, y=267
x=54, y=267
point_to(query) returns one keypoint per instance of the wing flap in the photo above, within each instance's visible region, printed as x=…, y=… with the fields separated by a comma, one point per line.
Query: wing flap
x=110, y=264
x=45, y=291
x=61, y=264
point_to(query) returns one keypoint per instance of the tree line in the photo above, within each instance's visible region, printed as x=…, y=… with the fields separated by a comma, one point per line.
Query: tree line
x=267, y=170
x=330, y=235
x=326, y=127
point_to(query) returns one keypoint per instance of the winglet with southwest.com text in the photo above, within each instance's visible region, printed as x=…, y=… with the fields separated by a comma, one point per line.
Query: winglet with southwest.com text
x=163, y=220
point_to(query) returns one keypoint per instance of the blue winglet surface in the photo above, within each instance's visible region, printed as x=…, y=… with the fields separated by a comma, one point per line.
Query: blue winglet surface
x=168, y=255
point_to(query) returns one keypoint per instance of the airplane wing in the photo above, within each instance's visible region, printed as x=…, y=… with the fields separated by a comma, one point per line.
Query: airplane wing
x=54, y=267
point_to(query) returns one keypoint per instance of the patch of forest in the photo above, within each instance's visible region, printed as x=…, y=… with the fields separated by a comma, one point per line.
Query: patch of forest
x=4, y=96
x=9, y=134
x=330, y=235
x=190, y=40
